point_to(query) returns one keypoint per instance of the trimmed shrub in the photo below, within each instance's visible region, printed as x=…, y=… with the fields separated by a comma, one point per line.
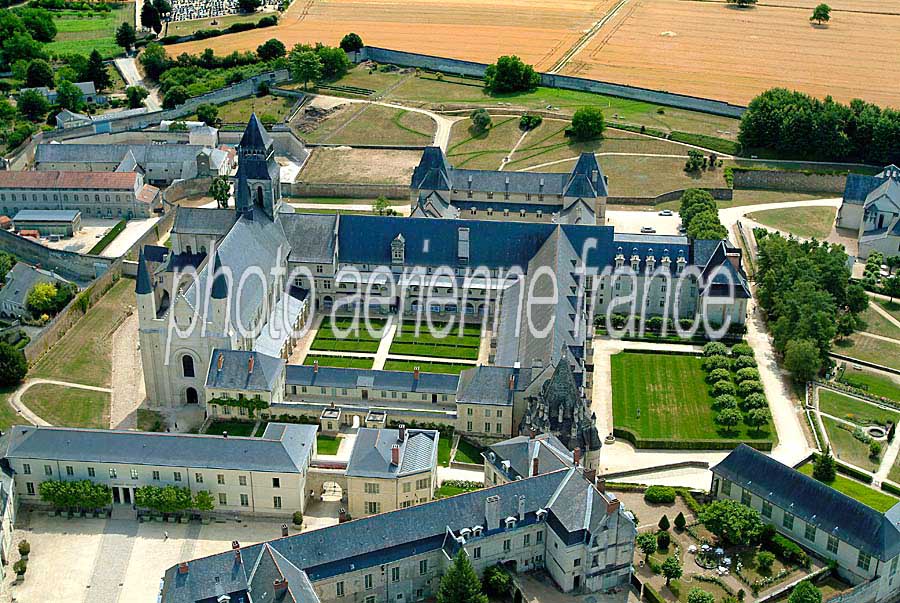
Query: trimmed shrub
x=712, y=363
x=659, y=495
x=20, y=567
x=723, y=387
x=747, y=374
x=741, y=349
x=664, y=523
x=297, y=518
x=24, y=548
x=663, y=539
x=787, y=550
x=750, y=387
x=680, y=522
x=744, y=362
x=755, y=400
x=765, y=560
x=715, y=348
x=719, y=374
x=725, y=401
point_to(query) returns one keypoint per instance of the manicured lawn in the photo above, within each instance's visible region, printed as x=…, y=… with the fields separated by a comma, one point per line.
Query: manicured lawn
x=81, y=32
x=666, y=396
x=804, y=222
x=870, y=349
x=847, y=448
x=449, y=489
x=269, y=108
x=261, y=429
x=746, y=197
x=68, y=406
x=468, y=453
x=892, y=307
x=426, y=366
x=83, y=355
x=8, y=415
x=444, y=447
x=876, y=385
x=853, y=409
x=878, y=324
x=876, y=499
x=482, y=150
x=356, y=340
x=327, y=444
x=150, y=420
x=410, y=341
x=894, y=474
x=234, y=428
x=186, y=28
x=340, y=361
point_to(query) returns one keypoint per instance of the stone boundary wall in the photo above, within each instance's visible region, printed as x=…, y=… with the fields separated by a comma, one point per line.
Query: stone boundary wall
x=347, y=190
x=470, y=68
x=286, y=142
x=655, y=469
x=722, y=194
x=180, y=189
x=785, y=180
x=68, y=264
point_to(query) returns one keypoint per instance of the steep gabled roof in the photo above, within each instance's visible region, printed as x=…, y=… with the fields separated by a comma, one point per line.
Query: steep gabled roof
x=520, y=452
x=255, y=135
x=586, y=180
x=237, y=373
x=371, y=456
x=433, y=171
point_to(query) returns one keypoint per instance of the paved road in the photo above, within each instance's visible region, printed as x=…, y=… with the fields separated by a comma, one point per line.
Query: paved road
x=16, y=398
x=128, y=68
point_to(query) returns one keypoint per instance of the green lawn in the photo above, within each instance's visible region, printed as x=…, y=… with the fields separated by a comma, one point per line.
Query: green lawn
x=876, y=499
x=374, y=124
x=81, y=32
x=847, y=448
x=444, y=447
x=327, y=444
x=8, y=415
x=340, y=361
x=468, y=453
x=853, y=409
x=408, y=343
x=233, y=427
x=877, y=385
x=665, y=396
x=269, y=108
x=68, y=406
x=356, y=340
x=878, y=324
x=448, y=489
x=150, y=420
x=426, y=366
x=185, y=28
x=804, y=222
x=869, y=349
x=894, y=474
x=892, y=307
x=84, y=353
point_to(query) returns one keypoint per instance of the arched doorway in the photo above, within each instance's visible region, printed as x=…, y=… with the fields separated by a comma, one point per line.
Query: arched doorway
x=331, y=492
x=191, y=396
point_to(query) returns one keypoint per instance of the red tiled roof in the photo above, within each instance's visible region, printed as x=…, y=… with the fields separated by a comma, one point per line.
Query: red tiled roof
x=147, y=194
x=73, y=180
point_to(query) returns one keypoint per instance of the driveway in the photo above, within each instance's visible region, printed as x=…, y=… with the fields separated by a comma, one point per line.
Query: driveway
x=128, y=68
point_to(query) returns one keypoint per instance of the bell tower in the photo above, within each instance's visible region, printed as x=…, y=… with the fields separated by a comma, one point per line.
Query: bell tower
x=258, y=176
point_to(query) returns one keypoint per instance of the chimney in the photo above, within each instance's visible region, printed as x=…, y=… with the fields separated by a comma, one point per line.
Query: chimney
x=279, y=585
x=416, y=373
x=576, y=456
x=591, y=476
x=236, y=547
x=395, y=455
x=735, y=258
x=250, y=366
x=531, y=433
x=601, y=485
x=522, y=508
x=315, y=366
x=183, y=568
x=535, y=467
x=612, y=506
x=492, y=512
x=284, y=530
x=221, y=361
x=512, y=382
x=401, y=432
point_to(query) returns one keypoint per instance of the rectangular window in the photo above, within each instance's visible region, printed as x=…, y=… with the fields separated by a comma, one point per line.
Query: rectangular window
x=863, y=561
x=371, y=488
x=540, y=537
x=407, y=487
x=112, y=473
x=339, y=588
x=499, y=427
x=48, y=470
x=526, y=540
x=134, y=474
x=726, y=487
x=177, y=476
x=788, y=521
x=423, y=484
x=395, y=574
x=423, y=567
x=373, y=508
x=894, y=565
x=223, y=498
x=245, y=500
x=26, y=468
x=476, y=554
x=29, y=487
x=90, y=472
x=577, y=563
x=767, y=509
x=487, y=428
x=198, y=477
x=220, y=479
x=276, y=502
x=242, y=480
x=832, y=544
x=507, y=545
x=368, y=581
x=810, y=533
x=70, y=470
x=370, y=599
x=468, y=425
x=746, y=498
x=156, y=475
x=276, y=482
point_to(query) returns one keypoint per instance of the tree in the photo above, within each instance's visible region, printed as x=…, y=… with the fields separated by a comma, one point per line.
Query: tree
x=757, y=418
x=893, y=262
x=587, y=123
x=801, y=357
x=351, y=43
x=208, y=114
x=460, y=583
x=671, y=569
x=510, y=74
x=306, y=66
x=694, y=161
x=698, y=595
x=335, y=62
x=13, y=365
x=175, y=96
x=381, y=205
x=874, y=449
x=892, y=286
x=203, y=501
x=680, y=522
x=742, y=3
x=220, y=190
x=68, y=96
x=847, y=323
x=706, y=226
x=97, y=71
x=150, y=17
x=20, y=46
x=32, y=105
x=271, y=49
x=39, y=73
x=154, y=59
x=41, y=298
x=481, y=120
x=496, y=582
x=38, y=22
x=728, y=418
x=136, y=96
x=765, y=560
x=126, y=35
x=647, y=543
x=732, y=522
x=821, y=14
x=824, y=466
x=663, y=523
x=249, y=6
x=805, y=592
x=663, y=539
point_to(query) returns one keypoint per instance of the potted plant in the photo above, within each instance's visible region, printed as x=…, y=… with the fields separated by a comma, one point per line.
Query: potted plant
x=297, y=520
x=24, y=549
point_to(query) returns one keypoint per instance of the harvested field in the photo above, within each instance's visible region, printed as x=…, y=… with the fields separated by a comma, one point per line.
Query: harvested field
x=538, y=31
x=714, y=50
x=363, y=166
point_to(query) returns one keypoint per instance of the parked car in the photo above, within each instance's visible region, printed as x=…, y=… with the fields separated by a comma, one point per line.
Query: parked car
x=666, y=212
x=648, y=230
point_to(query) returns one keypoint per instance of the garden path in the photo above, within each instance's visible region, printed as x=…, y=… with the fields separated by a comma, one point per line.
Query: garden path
x=16, y=398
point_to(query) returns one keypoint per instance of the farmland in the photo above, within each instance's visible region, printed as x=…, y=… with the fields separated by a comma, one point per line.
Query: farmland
x=81, y=32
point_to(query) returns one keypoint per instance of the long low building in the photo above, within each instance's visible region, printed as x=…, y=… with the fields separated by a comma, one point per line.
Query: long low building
x=48, y=222
x=94, y=194
x=558, y=522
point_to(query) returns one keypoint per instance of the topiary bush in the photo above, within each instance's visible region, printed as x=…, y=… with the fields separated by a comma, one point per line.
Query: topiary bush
x=721, y=388
x=297, y=518
x=741, y=349
x=24, y=548
x=750, y=387
x=725, y=401
x=747, y=374
x=659, y=495
x=715, y=348
x=719, y=374
x=20, y=567
x=744, y=362
x=663, y=539
x=712, y=363
x=755, y=400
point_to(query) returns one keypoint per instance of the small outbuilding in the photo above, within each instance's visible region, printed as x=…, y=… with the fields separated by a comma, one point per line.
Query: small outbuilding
x=49, y=222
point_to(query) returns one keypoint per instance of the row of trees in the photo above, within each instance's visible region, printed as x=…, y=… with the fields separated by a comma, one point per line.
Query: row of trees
x=172, y=499
x=794, y=124
x=805, y=291
x=700, y=215
x=83, y=494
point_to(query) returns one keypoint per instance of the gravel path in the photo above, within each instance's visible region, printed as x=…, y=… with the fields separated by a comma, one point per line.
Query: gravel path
x=128, y=391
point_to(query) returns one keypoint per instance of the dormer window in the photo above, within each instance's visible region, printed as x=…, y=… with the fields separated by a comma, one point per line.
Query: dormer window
x=541, y=514
x=476, y=531
x=510, y=523
x=398, y=250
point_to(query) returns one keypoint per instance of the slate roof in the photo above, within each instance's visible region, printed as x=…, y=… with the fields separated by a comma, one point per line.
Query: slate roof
x=46, y=215
x=371, y=456
x=143, y=284
x=587, y=180
x=402, y=381
x=490, y=385
x=197, y=220
x=235, y=372
x=521, y=451
x=312, y=236
x=143, y=154
x=255, y=135
x=812, y=501
x=858, y=186
x=21, y=278
x=286, y=454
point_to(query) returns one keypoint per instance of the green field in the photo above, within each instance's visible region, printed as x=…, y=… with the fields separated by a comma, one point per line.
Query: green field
x=847, y=448
x=877, y=385
x=891, y=307
x=326, y=444
x=234, y=428
x=8, y=415
x=68, y=406
x=373, y=124
x=803, y=222
x=81, y=32
x=269, y=108
x=665, y=396
x=870, y=349
x=879, y=324
x=426, y=366
x=340, y=361
x=357, y=340
x=468, y=453
x=852, y=409
x=453, y=346
x=445, y=446
x=84, y=354
x=876, y=499
x=150, y=420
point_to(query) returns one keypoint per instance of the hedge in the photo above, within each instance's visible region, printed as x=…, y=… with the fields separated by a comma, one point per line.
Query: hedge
x=651, y=594
x=689, y=501
x=854, y=473
x=659, y=494
x=669, y=444
x=721, y=145
x=787, y=550
x=108, y=238
x=890, y=488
